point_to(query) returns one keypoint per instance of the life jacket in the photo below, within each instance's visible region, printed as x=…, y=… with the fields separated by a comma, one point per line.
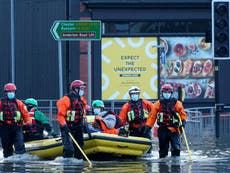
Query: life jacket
x=75, y=114
x=10, y=113
x=137, y=114
x=34, y=124
x=167, y=116
x=100, y=124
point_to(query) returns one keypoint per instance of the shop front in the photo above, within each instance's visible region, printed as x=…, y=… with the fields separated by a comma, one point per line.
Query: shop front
x=149, y=43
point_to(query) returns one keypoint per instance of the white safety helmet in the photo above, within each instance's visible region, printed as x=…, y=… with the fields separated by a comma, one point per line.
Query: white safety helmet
x=134, y=89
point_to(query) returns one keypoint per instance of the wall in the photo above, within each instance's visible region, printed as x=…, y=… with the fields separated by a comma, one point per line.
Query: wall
x=36, y=52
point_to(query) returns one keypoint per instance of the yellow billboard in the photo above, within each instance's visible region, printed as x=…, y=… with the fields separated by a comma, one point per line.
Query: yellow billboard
x=127, y=62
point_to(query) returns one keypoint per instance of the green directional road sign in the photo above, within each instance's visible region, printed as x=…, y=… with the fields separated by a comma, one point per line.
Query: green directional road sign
x=76, y=30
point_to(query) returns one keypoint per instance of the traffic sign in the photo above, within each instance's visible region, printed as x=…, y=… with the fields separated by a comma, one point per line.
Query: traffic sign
x=76, y=30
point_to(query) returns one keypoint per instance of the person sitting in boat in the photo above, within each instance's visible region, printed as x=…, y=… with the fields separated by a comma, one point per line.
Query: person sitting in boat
x=107, y=121
x=99, y=107
x=39, y=123
x=135, y=113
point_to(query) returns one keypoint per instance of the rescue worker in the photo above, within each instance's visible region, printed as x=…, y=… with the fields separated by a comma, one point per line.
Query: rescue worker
x=107, y=121
x=39, y=122
x=71, y=109
x=166, y=112
x=12, y=114
x=135, y=113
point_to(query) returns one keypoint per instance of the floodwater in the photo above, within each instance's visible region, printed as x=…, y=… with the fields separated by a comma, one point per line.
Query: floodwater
x=209, y=155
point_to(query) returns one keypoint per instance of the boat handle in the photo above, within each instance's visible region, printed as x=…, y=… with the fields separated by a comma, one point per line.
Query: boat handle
x=122, y=146
x=58, y=139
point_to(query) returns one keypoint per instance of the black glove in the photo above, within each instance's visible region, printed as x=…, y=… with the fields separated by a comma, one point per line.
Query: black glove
x=65, y=128
x=146, y=131
x=53, y=134
x=122, y=132
x=29, y=127
x=183, y=123
x=30, y=130
x=47, y=127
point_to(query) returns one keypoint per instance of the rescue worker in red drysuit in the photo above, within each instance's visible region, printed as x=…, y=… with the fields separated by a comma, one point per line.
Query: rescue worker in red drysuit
x=71, y=109
x=12, y=114
x=135, y=113
x=166, y=112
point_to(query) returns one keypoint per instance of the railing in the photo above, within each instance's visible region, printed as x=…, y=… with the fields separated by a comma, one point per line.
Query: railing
x=223, y=119
x=201, y=121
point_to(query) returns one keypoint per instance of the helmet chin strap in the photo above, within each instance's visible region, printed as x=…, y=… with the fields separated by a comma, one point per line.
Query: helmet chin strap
x=76, y=91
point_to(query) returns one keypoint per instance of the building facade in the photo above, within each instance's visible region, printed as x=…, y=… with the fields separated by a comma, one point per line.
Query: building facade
x=36, y=52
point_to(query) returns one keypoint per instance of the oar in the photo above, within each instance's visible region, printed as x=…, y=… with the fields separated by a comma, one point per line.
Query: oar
x=90, y=163
x=185, y=139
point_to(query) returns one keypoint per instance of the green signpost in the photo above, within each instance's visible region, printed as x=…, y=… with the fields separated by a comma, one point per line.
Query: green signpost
x=64, y=30
x=73, y=30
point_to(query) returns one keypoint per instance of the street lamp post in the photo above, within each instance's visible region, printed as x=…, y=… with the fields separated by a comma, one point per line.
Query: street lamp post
x=12, y=41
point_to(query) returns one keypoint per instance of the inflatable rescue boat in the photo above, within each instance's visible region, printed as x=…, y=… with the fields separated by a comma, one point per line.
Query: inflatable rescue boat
x=94, y=144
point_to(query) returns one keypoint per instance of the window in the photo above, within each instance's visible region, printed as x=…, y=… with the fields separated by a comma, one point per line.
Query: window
x=157, y=27
x=144, y=27
x=117, y=27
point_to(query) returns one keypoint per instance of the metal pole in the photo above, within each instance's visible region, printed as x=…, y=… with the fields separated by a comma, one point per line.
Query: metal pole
x=89, y=72
x=67, y=66
x=12, y=41
x=60, y=69
x=162, y=58
x=217, y=99
x=50, y=111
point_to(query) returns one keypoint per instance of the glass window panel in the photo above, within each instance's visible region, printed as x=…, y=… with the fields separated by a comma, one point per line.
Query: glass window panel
x=199, y=26
x=117, y=27
x=173, y=27
x=144, y=27
x=157, y=27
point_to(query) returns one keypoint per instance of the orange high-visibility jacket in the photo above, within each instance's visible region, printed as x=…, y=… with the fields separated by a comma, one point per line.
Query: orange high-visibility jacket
x=63, y=106
x=147, y=105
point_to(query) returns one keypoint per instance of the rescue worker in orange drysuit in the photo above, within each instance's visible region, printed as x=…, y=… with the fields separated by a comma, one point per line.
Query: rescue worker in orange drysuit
x=166, y=112
x=71, y=109
x=135, y=113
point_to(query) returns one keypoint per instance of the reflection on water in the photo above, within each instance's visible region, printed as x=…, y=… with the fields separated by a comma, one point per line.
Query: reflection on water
x=209, y=156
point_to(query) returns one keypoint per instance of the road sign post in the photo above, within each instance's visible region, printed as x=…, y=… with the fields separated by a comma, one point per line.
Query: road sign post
x=75, y=30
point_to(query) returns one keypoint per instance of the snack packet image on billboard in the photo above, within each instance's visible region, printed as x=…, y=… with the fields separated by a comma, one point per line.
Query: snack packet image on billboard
x=189, y=61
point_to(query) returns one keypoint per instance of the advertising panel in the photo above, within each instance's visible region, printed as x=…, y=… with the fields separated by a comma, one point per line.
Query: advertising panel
x=127, y=62
x=190, y=65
